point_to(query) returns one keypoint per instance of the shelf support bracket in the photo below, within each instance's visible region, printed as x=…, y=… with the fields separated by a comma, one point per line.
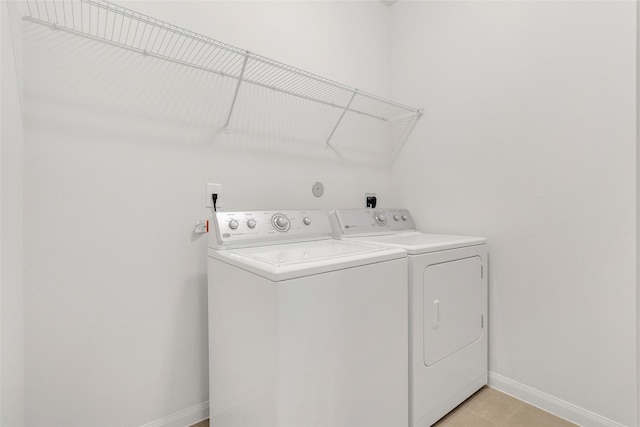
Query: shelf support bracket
x=235, y=95
x=355, y=92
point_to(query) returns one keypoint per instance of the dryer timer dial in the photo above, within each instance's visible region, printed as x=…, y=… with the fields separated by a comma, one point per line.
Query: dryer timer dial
x=380, y=218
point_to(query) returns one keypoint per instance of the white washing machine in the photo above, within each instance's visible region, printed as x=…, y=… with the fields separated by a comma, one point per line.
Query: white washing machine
x=304, y=330
x=447, y=307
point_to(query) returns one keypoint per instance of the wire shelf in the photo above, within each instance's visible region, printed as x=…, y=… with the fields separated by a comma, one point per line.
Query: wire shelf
x=119, y=26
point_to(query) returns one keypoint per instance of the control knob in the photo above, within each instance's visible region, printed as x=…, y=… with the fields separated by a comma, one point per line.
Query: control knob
x=280, y=222
x=396, y=218
x=233, y=224
x=251, y=223
x=380, y=218
x=404, y=217
x=306, y=220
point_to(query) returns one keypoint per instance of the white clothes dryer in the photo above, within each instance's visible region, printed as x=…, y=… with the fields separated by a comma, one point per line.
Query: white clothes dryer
x=304, y=330
x=447, y=307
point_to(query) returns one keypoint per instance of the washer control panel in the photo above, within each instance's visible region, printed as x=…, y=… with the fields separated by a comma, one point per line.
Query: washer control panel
x=369, y=222
x=257, y=228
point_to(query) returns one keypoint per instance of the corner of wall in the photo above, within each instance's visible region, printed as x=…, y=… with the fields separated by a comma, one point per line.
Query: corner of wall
x=551, y=404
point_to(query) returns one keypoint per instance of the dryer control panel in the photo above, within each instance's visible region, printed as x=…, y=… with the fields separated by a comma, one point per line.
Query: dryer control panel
x=370, y=222
x=256, y=228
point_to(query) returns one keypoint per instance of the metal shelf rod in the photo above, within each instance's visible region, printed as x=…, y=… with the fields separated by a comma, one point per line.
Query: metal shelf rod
x=235, y=95
x=340, y=119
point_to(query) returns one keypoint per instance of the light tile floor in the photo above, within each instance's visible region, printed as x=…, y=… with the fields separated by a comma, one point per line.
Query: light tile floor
x=491, y=408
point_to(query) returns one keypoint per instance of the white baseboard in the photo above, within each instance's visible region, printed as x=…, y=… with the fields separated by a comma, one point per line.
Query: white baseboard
x=546, y=402
x=184, y=418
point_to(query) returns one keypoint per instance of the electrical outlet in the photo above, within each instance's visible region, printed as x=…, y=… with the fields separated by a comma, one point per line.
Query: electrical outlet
x=212, y=189
x=371, y=200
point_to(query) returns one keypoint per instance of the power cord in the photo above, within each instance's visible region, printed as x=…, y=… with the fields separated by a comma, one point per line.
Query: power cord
x=214, y=197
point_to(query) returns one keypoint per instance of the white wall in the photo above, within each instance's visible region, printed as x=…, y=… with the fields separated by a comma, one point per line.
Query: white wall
x=118, y=148
x=637, y=213
x=11, y=242
x=529, y=139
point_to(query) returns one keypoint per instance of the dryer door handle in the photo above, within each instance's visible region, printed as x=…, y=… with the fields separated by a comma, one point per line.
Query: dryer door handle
x=435, y=314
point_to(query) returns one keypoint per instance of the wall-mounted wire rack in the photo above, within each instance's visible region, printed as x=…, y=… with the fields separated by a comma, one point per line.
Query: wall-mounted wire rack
x=110, y=23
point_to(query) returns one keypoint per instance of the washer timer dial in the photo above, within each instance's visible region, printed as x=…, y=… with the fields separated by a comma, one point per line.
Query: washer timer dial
x=280, y=222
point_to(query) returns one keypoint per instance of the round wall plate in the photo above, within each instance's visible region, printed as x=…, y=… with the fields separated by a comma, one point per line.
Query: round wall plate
x=317, y=189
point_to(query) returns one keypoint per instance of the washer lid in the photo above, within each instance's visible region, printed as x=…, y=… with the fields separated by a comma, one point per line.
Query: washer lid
x=416, y=242
x=288, y=261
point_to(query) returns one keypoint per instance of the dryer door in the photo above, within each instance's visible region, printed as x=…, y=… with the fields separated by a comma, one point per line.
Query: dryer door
x=452, y=307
